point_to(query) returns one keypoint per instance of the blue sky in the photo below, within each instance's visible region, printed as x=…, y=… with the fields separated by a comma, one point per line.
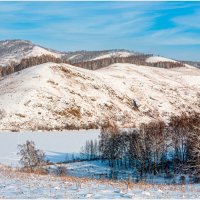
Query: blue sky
x=170, y=29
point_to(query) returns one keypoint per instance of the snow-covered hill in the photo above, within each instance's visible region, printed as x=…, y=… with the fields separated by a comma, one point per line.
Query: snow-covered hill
x=82, y=56
x=16, y=50
x=114, y=54
x=156, y=59
x=61, y=96
x=13, y=51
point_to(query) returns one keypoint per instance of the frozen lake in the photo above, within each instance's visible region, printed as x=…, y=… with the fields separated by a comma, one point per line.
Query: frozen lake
x=56, y=145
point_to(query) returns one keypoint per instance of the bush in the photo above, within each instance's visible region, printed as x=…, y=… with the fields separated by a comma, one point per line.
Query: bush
x=182, y=179
x=61, y=171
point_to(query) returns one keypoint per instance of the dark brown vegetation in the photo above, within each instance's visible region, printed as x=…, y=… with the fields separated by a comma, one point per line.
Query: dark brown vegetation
x=134, y=59
x=28, y=62
x=91, y=65
x=154, y=148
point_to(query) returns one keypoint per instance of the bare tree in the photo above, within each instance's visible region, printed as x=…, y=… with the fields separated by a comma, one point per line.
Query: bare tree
x=90, y=150
x=31, y=157
x=194, y=152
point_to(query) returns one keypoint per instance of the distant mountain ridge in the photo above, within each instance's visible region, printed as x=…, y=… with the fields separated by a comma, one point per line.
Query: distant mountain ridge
x=15, y=50
x=16, y=55
x=82, y=56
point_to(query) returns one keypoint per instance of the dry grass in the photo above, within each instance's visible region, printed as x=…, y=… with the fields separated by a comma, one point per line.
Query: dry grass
x=20, y=115
x=2, y=113
x=81, y=183
x=75, y=112
x=38, y=171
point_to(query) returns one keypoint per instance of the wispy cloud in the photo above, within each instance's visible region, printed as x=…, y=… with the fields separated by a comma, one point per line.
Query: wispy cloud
x=188, y=21
x=139, y=26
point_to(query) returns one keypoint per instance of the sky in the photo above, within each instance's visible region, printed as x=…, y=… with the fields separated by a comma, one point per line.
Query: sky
x=170, y=29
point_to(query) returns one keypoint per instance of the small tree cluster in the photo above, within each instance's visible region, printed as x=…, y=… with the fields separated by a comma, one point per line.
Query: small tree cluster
x=91, y=150
x=154, y=147
x=31, y=157
x=166, y=64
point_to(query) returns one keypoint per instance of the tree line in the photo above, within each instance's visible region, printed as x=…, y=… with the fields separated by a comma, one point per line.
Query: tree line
x=91, y=65
x=155, y=147
x=28, y=62
x=133, y=59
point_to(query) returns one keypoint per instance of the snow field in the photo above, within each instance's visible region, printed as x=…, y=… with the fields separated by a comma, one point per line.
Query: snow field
x=14, y=184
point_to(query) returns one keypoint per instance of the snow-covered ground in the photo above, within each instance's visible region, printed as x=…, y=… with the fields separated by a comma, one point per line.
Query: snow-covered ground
x=156, y=59
x=56, y=145
x=15, y=184
x=114, y=54
x=61, y=96
x=98, y=169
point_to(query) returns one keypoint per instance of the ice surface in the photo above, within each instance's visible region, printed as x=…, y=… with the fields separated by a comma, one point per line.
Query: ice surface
x=56, y=145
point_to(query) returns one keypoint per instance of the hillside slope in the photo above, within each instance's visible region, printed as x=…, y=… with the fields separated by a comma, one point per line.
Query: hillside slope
x=16, y=50
x=83, y=56
x=61, y=96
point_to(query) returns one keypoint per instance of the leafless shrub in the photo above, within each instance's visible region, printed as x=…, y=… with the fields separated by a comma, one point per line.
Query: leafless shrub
x=61, y=171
